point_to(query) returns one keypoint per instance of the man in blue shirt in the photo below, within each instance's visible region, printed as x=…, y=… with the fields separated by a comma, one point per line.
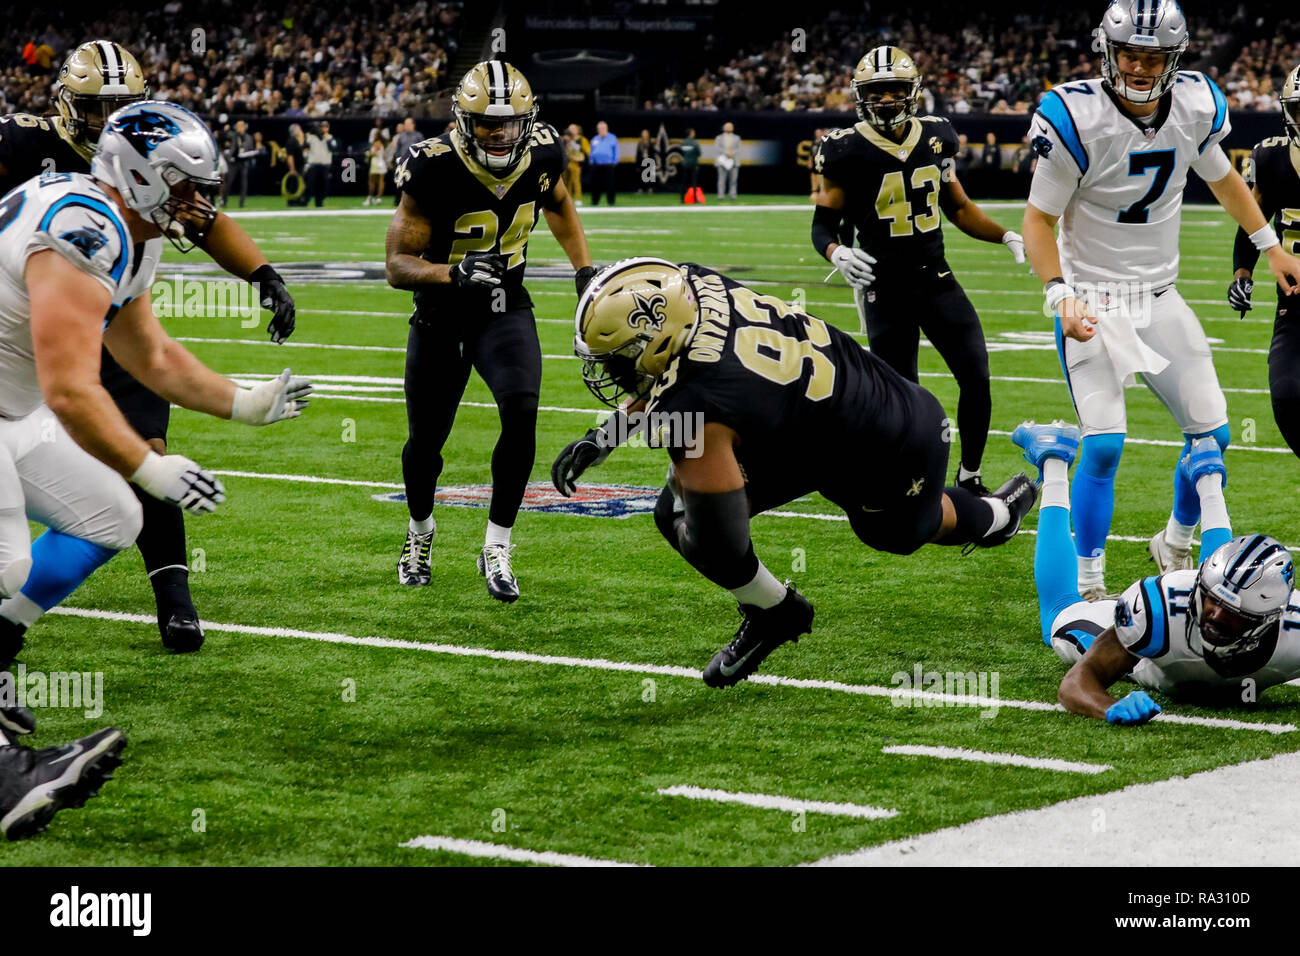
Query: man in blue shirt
x=603, y=161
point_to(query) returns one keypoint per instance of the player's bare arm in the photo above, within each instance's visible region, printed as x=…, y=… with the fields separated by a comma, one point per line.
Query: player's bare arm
x=1242, y=205
x=1039, y=230
x=715, y=470
x=137, y=340
x=68, y=308
x=1083, y=690
x=566, y=227
x=407, y=237
x=964, y=213
x=1243, y=273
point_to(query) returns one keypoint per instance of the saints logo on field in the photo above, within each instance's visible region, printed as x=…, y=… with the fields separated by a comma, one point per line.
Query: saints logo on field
x=649, y=313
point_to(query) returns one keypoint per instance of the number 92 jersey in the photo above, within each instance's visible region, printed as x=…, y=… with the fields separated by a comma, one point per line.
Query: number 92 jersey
x=1151, y=622
x=471, y=210
x=1116, y=183
x=892, y=190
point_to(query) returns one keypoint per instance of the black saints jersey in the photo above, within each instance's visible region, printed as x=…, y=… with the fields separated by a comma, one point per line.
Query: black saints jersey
x=1274, y=169
x=471, y=210
x=801, y=394
x=31, y=145
x=893, y=191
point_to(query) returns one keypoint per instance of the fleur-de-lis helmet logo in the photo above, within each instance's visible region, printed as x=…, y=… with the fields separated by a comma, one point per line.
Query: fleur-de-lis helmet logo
x=649, y=313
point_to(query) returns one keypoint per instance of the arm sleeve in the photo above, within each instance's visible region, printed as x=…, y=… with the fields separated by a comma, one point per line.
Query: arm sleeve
x=825, y=228
x=1141, y=623
x=1244, y=253
x=1062, y=160
x=92, y=240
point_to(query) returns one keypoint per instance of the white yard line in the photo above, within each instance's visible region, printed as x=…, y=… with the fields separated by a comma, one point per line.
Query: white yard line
x=667, y=670
x=1009, y=760
x=1242, y=815
x=767, y=801
x=495, y=851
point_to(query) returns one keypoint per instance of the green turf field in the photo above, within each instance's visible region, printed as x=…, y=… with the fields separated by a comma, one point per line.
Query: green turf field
x=289, y=741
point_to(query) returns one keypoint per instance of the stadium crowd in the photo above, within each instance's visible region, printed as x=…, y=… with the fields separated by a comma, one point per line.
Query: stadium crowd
x=316, y=60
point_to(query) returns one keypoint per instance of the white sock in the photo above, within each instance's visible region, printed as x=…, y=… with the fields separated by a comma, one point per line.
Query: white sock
x=496, y=535
x=423, y=527
x=963, y=474
x=1179, y=536
x=1214, y=509
x=1092, y=569
x=1056, y=484
x=763, y=592
x=1001, y=514
x=21, y=610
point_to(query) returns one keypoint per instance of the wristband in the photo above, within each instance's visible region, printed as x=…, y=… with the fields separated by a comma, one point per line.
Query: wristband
x=1264, y=239
x=1057, y=291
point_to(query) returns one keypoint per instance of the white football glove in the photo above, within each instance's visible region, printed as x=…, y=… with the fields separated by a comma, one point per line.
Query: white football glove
x=1016, y=243
x=855, y=265
x=176, y=479
x=282, y=397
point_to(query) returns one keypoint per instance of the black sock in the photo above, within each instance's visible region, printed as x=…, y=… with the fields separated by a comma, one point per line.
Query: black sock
x=974, y=517
x=11, y=641
x=162, y=545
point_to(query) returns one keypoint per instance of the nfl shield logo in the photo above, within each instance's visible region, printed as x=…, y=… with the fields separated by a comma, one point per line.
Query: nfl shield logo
x=1150, y=133
x=500, y=190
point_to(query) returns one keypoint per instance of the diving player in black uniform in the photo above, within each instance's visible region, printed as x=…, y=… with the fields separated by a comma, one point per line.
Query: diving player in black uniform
x=470, y=200
x=889, y=176
x=759, y=404
x=1274, y=174
x=96, y=79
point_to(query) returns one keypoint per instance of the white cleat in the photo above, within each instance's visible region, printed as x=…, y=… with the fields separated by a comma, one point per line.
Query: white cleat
x=1167, y=557
x=413, y=565
x=494, y=565
x=1092, y=590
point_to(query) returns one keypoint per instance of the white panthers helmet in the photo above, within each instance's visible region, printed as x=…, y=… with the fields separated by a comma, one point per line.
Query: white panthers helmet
x=1153, y=26
x=164, y=161
x=1250, y=578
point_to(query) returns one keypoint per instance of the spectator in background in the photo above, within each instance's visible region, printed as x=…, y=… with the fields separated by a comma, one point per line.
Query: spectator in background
x=407, y=136
x=689, y=167
x=578, y=149
x=321, y=147
x=378, y=167
x=604, y=163
x=965, y=157
x=990, y=163
x=295, y=153
x=242, y=152
x=815, y=184
x=727, y=162
x=1024, y=163
x=646, y=164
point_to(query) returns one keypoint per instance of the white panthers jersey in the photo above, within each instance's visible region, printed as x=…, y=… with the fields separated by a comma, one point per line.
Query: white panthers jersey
x=70, y=214
x=1151, y=621
x=1118, y=184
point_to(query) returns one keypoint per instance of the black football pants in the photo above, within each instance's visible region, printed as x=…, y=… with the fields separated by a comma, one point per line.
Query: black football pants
x=1284, y=372
x=440, y=352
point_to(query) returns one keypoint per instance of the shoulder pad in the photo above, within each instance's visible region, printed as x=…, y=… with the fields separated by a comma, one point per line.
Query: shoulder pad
x=87, y=231
x=1141, y=619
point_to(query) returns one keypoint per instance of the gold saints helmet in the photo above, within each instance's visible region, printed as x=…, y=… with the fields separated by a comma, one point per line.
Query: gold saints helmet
x=632, y=319
x=1290, y=100
x=495, y=113
x=96, y=79
x=886, y=70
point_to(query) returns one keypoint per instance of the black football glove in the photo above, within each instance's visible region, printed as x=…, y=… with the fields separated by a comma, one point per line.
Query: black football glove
x=582, y=278
x=576, y=458
x=479, y=270
x=275, y=296
x=1239, y=294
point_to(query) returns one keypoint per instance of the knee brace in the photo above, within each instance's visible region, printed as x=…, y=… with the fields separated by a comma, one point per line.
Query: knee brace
x=14, y=575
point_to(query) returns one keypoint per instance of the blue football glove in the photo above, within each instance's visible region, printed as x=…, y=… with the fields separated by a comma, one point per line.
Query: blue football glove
x=1136, y=708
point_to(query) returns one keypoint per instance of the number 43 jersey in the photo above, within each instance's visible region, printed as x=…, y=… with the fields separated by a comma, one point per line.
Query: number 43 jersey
x=471, y=210
x=1117, y=182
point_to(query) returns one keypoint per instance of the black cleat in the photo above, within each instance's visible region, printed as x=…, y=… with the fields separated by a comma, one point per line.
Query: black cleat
x=1019, y=495
x=36, y=784
x=182, y=634
x=762, y=632
x=975, y=485
x=14, y=720
x=494, y=564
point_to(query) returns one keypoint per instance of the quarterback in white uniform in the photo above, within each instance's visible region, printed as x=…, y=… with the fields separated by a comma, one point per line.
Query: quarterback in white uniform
x=1113, y=160
x=77, y=259
x=1219, y=634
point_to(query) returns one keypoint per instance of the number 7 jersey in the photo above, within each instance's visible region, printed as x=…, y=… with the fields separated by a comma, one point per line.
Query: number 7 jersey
x=1116, y=183
x=471, y=210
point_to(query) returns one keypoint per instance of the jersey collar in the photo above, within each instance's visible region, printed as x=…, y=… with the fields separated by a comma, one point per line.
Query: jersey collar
x=899, y=151
x=498, y=187
x=1162, y=111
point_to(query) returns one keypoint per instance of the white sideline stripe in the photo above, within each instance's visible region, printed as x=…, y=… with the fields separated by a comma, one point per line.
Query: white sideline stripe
x=495, y=851
x=293, y=345
x=666, y=670
x=1011, y=760
x=767, y=801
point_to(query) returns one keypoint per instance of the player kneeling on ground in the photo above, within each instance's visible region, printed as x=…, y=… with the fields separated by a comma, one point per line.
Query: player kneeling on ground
x=785, y=405
x=1221, y=633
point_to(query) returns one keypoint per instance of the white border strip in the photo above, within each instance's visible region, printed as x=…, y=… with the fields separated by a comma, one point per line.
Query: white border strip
x=495, y=851
x=766, y=801
x=667, y=670
x=1009, y=760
